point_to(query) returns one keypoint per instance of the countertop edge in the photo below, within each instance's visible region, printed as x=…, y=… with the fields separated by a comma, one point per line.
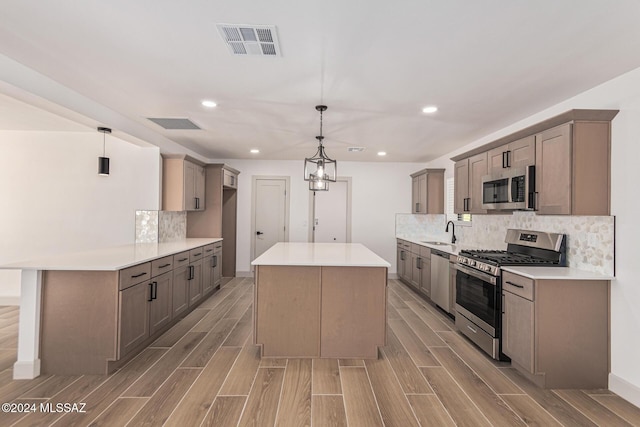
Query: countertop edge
x=547, y=273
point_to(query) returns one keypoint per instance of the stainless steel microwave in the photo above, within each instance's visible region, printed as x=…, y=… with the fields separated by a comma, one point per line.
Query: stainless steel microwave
x=513, y=189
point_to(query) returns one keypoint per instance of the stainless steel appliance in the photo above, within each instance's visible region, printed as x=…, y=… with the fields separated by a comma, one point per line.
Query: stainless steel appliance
x=510, y=189
x=479, y=286
x=440, y=279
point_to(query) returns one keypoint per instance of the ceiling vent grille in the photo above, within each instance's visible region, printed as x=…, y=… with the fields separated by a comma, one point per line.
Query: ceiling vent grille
x=174, y=124
x=355, y=149
x=261, y=40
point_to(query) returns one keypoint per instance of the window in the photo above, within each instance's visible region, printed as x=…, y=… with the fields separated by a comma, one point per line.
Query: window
x=450, y=195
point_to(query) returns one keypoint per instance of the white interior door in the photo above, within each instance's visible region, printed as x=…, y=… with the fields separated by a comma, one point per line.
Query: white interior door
x=270, y=213
x=332, y=213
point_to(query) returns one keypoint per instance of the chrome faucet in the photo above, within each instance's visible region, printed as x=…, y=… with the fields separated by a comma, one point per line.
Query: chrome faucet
x=453, y=231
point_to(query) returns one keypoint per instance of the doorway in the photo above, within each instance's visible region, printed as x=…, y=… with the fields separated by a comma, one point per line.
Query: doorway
x=330, y=213
x=270, y=213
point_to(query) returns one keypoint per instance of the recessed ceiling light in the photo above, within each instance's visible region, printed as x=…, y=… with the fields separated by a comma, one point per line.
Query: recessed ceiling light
x=255, y=151
x=430, y=109
x=382, y=153
x=209, y=104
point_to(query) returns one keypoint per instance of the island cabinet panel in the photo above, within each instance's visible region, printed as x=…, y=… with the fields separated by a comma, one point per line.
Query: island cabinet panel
x=134, y=317
x=353, y=299
x=287, y=311
x=160, y=307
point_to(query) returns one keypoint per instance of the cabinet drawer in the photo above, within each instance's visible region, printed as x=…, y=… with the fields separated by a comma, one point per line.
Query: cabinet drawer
x=161, y=265
x=415, y=248
x=196, y=254
x=217, y=247
x=518, y=285
x=133, y=275
x=425, y=252
x=209, y=249
x=181, y=259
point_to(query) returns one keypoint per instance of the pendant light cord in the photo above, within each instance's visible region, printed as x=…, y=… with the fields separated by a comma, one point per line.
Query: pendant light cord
x=104, y=142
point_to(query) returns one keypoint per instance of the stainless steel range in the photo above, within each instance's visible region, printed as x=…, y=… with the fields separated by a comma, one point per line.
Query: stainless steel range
x=479, y=285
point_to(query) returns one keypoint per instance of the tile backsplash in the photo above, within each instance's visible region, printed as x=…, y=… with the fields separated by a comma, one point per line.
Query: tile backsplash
x=160, y=226
x=590, y=239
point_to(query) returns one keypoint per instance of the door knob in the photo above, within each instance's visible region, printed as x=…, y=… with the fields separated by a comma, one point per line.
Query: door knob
x=259, y=233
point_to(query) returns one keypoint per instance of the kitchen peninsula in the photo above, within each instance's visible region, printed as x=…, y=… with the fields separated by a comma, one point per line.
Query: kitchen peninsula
x=89, y=312
x=320, y=300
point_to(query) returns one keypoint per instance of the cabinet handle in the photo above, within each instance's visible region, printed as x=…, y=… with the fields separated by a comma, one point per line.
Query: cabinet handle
x=504, y=159
x=472, y=330
x=209, y=250
x=150, y=292
x=138, y=275
x=418, y=207
x=514, y=284
x=502, y=303
x=509, y=158
x=164, y=265
x=465, y=206
x=182, y=259
x=419, y=263
x=191, y=272
x=154, y=289
x=197, y=202
x=214, y=261
x=198, y=254
x=402, y=255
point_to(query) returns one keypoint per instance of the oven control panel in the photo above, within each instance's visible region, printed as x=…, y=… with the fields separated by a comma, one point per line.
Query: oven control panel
x=479, y=265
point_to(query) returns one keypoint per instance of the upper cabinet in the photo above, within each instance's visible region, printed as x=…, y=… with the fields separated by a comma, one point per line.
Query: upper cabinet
x=183, y=181
x=467, y=178
x=427, y=192
x=516, y=154
x=573, y=169
x=230, y=178
x=572, y=157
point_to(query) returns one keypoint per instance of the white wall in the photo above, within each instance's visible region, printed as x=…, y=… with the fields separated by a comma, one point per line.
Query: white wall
x=379, y=191
x=622, y=93
x=53, y=200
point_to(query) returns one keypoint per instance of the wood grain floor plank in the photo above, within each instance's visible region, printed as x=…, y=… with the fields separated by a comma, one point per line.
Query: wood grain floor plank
x=225, y=411
x=193, y=408
x=240, y=306
x=463, y=411
x=424, y=332
x=7, y=358
x=596, y=412
x=618, y=405
x=360, y=404
x=393, y=405
x=392, y=313
x=328, y=411
x=491, y=405
x=8, y=418
x=350, y=362
x=530, y=412
x=211, y=342
x=242, y=330
x=483, y=365
x=408, y=374
x=178, y=331
x=273, y=362
x=219, y=311
x=9, y=341
x=295, y=401
x=243, y=372
x=557, y=407
x=151, y=380
x=51, y=387
x=403, y=292
x=159, y=407
x=120, y=412
x=430, y=411
x=436, y=321
x=74, y=393
x=99, y=399
x=326, y=377
x=262, y=404
x=419, y=352
x=13, y=389
x=395, y=300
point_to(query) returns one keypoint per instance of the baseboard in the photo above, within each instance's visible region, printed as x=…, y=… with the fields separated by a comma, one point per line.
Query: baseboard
x=624, y=389
x=9, y=300
x=244, y=273
x=26, y=369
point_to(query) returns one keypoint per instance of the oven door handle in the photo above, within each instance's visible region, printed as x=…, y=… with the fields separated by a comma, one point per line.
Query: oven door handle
x=475, y=273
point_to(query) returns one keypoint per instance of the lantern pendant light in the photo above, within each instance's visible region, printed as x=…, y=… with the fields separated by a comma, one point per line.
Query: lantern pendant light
x=320, y=170
x=103, y=162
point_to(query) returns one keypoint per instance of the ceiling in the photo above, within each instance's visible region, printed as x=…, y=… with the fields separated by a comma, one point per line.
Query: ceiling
x=374, y=63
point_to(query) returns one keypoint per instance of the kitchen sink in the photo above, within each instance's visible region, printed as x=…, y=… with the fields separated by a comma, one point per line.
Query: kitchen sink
x=436, y=243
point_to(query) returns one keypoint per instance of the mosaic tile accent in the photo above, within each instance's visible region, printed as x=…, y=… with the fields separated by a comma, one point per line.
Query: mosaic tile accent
x=590, y=239
x=160, y=226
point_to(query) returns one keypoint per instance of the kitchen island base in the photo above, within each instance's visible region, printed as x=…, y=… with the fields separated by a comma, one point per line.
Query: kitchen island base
x=320, y=311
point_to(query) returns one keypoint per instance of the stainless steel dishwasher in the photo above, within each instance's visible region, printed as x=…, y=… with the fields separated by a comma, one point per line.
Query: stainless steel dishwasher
x=440, y=279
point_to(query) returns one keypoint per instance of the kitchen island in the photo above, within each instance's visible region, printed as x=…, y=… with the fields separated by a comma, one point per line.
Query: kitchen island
x=320, y=300
x=89, y=312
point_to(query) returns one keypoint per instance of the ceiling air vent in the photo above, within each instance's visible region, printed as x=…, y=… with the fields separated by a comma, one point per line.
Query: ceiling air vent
x=261, y=40
x=355, y=149
x=174, y=124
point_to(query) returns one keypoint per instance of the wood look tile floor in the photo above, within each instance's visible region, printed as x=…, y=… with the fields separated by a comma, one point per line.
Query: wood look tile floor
x=205, y=371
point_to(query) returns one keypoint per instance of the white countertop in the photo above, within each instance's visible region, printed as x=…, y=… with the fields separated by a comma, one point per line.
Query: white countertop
x=320, y=254
x=447, y=247
x=112, y=258
x=556, y=273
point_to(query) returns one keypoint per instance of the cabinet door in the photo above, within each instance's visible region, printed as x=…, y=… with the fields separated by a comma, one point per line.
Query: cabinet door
x=452, y=288
x=207, y=274
x=415, y=270
x=134, y=317
x=522, y=153
x=477, y=169
x=425, y=276
x=422, y=193
x=461, y=185
x=553, y=170
x=415, y=195
x=517, y=330
x=160, y=308
x=195, y=282
x=401, y=263
x=497, y=159
x=198, y=187
x=180, y=289
x=217, y=267
x=189, y=186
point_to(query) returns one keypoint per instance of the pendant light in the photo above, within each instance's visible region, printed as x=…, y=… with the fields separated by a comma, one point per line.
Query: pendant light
x=319, y=170
x=103, y=162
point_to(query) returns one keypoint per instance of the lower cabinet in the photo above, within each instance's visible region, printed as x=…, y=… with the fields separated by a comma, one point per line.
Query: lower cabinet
x=180, y=294
x=217, y=265
x=517, y=329
x=134, y=317
x=160, y=304
x=195, y=282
